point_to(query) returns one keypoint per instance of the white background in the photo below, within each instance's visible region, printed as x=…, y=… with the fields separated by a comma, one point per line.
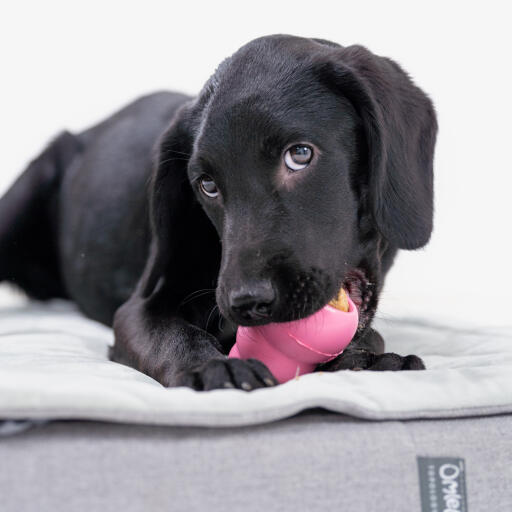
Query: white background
x=68, y=64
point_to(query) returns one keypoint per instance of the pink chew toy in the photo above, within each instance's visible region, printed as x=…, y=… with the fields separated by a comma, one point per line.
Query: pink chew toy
x=294, y=348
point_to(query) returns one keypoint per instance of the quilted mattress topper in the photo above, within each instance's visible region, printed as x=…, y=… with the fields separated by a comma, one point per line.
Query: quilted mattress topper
x=54, y=365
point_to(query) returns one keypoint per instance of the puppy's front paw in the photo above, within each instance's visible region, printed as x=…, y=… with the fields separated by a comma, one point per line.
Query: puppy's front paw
x=392, y=361
x=245, y=374
x=361, y=359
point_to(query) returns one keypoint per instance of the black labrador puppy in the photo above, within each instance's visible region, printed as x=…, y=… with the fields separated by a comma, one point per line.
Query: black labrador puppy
x=301, y=167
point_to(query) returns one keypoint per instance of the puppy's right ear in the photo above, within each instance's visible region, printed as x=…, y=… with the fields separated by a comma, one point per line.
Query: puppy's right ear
x=170, y=197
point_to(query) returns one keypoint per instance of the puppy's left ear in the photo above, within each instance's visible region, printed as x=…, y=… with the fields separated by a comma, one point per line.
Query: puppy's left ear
x=400, y=127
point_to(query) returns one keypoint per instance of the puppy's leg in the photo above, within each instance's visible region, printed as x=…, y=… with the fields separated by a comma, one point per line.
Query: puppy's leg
x=177, y=353
x=28, y=217
x=157, y=337
x=152, y=332
x=367, y=353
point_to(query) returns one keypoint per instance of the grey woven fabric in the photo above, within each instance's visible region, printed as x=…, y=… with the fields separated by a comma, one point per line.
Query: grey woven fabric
x=315, y=461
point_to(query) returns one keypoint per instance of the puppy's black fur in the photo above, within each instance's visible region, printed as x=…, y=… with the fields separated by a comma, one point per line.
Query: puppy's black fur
x=114, y=218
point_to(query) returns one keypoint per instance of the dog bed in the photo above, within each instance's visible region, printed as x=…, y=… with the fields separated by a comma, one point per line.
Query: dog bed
x=54, y=366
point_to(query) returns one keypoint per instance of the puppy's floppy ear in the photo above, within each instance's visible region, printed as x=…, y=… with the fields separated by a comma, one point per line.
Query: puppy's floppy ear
x=400, y=126
x=171, y=199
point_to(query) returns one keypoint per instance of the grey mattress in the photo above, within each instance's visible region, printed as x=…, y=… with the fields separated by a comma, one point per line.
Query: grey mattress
x=314, y=461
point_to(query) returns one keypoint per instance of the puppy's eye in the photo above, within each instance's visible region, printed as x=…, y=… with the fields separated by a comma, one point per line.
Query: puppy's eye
x=298, y=157
x=207, y=186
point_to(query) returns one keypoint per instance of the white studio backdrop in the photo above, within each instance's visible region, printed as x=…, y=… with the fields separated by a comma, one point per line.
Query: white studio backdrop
x=66, y=64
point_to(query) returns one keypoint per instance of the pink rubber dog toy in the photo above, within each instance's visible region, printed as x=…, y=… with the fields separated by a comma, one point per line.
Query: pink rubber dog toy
x=294, y=348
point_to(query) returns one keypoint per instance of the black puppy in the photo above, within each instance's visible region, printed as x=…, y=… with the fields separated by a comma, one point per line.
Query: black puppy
x=301, y=166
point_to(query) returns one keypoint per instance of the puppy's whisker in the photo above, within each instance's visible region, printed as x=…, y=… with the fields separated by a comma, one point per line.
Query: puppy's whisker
x=177, y=152
x=203, y=290
x=166, y=161
x=196, y=295
x=221, y=321
x=304, y=307
x=210, y=315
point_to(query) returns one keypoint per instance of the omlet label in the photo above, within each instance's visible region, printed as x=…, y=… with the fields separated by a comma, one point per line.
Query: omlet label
x=442, y=484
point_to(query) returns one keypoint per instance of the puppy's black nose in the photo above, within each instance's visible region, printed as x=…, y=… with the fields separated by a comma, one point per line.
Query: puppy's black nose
x=252, y=301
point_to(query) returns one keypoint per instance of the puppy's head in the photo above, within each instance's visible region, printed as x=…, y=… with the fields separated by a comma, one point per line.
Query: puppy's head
x=311, y=160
